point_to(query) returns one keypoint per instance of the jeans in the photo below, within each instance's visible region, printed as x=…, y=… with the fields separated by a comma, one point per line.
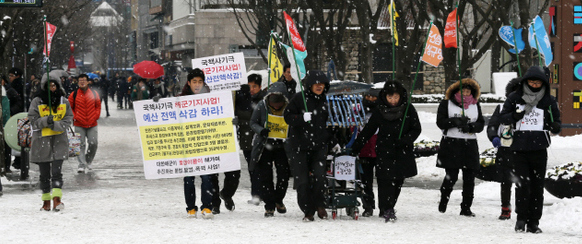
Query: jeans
x=88, y=135
x=50, y=172
x=190, y=192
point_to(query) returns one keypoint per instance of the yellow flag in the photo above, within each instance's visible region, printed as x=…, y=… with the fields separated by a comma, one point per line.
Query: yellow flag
x=393, y=15
x=274, y=63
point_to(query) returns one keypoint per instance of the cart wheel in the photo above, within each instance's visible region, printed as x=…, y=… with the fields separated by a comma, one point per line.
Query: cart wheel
x=334, y=214
x=356, y=214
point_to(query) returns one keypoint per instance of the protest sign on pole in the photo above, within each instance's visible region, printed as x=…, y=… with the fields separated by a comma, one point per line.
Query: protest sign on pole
x=50, y=32
x=433, y=52
x=187, y=135
x=223, y=72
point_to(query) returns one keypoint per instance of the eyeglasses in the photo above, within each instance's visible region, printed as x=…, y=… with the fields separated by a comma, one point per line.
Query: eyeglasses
x=11, y=75
x=534, y=82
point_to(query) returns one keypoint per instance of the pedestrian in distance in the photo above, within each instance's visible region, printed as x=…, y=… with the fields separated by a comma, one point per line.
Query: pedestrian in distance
x=86, y=106
x=535, y=114
x=398, y=126
x=196, y=85
x=50, y=115
x=307, y=143
x=268, y=148
x=14, y=106
x=500, y=136
x=459, y=117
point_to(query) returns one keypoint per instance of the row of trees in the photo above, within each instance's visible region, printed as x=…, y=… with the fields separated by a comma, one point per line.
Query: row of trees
x=324, y=24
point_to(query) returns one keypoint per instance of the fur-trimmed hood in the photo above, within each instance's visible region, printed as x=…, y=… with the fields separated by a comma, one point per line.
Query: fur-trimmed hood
x=454, y=88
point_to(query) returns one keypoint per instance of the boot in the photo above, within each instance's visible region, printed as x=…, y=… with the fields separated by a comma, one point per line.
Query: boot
x=46, y=205
x=57, y=204
x=443, y=203
x=505, y=213
x=466, y=205
x=321, y=213
x=520, y=226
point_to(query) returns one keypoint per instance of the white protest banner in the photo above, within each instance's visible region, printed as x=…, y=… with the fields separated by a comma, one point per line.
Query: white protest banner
x=223, y=72
x=532, y=121
x=344, y=168
x=188, y=135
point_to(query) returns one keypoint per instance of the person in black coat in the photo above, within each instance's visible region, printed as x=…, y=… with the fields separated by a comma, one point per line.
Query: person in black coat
x=459, y=117
x=307, y=143
x=500, y=136
x=394, y=144
x=16, y=106
x=534, y=113
x=246, y=99
x=288, y=80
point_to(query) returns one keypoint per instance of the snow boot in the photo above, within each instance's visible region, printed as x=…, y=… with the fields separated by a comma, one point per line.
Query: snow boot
x=390, y=215
x=215, y=210
x=308, y=218
x=467, y=212
x=280, y=208
x=466, y=205
x=368, y=212
x=46, y=205
x=57, y=204
x=520, y=226
x=533, y=229
x=321, y=213
x=269, y=213
x=505, y=213
x=443, y=203
x=228, y=202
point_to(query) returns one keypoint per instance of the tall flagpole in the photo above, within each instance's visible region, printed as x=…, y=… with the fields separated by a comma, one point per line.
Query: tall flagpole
x=392, y=26
x=297, y=68
x=459, y=58
x=46, y=48
x=516, y=49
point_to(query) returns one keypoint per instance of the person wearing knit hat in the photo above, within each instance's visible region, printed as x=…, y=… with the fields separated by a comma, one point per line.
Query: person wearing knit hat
x=500, y=136
x=459, y=117
x=534, y=113
x=307, y=143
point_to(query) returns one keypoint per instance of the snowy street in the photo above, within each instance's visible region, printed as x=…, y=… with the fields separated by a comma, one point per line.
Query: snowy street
x=115, y=204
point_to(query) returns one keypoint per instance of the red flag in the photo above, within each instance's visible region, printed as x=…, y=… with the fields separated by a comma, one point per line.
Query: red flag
x=451, y=30
x=49, y=32
x=292, y=30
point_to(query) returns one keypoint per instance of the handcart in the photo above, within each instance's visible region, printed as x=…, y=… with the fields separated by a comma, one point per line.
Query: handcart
x=344, y=186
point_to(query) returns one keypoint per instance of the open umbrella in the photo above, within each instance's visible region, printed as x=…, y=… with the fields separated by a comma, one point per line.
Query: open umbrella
x=92, y=75
x=148, y=69
x=348, y=87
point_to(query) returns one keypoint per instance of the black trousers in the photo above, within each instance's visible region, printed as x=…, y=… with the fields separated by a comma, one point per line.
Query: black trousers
x=310, y=188
x=388, y=192
x=50, y=175
x=468, y=185
x=231, y=180
x=255, y=185
x=368, y=165
x=530, y=169
x=273, y=193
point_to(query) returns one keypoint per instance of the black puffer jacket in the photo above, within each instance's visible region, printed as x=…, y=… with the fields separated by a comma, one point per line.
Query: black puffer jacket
x=531, y=140
x=244, y=106
x=308, y=135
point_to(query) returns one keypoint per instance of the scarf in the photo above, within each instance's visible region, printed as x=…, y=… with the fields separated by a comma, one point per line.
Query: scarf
x=392, y=113
x=467, y=100
x=532, y=98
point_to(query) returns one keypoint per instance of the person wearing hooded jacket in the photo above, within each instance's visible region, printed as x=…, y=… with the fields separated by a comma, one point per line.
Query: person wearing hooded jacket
x=268, y=151
x=197, y=85
x=534, y=113
x=394, y=144
x=459, y=117
x=307, y=143
x=50, y=115
x=503, y=165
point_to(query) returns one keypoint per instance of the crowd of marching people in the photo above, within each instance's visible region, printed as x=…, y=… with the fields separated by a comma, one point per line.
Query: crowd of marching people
x=384, y=146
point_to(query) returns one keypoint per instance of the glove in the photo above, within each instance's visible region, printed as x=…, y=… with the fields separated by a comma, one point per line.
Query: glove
x=518, y=114
x=466, y=128
x=235, y=121
x=49, y=120
x=265, y=132
x=336, y=149
x=459, y=121
x=496, y=142
x=555, y=127
x=307, y=116
x=156, y=98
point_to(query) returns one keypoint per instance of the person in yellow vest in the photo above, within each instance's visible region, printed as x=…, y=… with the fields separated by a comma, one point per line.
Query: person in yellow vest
x=50, y=115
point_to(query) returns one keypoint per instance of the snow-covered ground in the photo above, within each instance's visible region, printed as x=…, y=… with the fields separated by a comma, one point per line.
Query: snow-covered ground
x=115, y=204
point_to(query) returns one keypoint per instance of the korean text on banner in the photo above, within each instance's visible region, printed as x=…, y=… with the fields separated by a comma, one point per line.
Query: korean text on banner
x=451, y=30
x=392, y=12
x=223, y=72
x=187, y=135
x=44, y=110
x=50, y=32
x=275, y=64
x=292, y=30
x=344, y=168
x=277, y=126
x=433, y=52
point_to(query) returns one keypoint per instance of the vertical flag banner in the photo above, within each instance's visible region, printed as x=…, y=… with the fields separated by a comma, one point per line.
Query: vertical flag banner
x=433, y=52
x=451, y=30
x=393, y=16
x=298, y=59
x=50, y=32
x=274, y=64
x=506, y=34
x=543, y=40
x=294, y=33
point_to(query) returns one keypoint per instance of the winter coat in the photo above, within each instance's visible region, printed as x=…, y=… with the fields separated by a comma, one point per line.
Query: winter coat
x=291, y=86
x=311, y=135
x=49, y=148
x=529, y=140
x=5, y=107
x=86, y=107
x=18, y=85
x=122, y=86
x=258, y=121
x=137, y=89
x=459, y=153
x=16, y=105
x=394, y=157
x=245, y=104
x=158, y=89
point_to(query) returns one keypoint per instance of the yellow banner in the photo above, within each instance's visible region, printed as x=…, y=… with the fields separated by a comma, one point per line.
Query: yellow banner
x=393, y=15
x=278, y=127
x=44, y=111
x=192, y=139
x=275, y=64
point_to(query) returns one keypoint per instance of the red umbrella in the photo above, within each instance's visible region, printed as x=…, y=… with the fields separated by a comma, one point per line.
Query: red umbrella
x=148, y=69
